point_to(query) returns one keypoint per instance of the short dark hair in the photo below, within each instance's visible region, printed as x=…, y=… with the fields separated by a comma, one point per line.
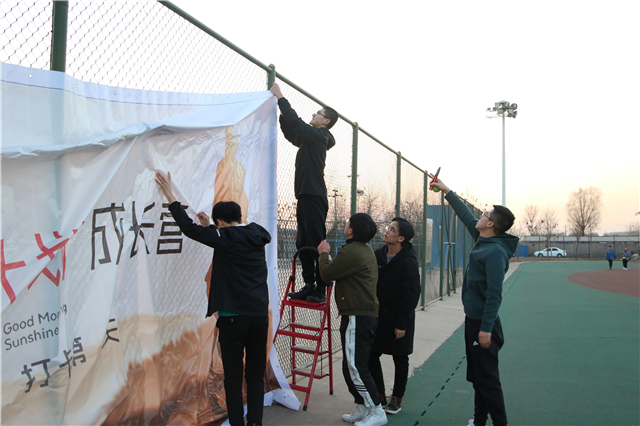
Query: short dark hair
x=502, y=218
x=228, y=211
x=364, y=228
x=332, y=115
x=405, y=229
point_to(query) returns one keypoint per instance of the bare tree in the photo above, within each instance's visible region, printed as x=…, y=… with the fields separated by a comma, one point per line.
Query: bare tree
x=412, y=211
x=584, y=210
x=532, y=219
x=633, y=229
x=370, y=203
x=471, y=197
x=549, y=223
x=519, y=230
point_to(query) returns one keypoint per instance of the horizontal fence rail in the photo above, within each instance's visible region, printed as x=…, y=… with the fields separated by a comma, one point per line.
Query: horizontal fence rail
x=157, y=46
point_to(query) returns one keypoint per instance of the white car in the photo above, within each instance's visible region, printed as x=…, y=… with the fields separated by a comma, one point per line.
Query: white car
x=551, y=251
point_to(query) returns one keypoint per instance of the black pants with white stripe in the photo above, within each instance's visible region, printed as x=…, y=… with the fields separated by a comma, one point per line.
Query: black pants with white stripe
x=482, y=371
x=357, y=334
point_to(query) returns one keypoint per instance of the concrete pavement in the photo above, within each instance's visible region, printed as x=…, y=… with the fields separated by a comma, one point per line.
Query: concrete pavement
x=434, y=326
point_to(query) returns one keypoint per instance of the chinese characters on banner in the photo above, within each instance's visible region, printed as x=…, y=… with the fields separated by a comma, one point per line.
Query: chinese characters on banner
x=102, y=295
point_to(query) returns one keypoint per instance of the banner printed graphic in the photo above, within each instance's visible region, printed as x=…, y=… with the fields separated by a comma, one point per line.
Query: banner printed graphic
x=103, y=298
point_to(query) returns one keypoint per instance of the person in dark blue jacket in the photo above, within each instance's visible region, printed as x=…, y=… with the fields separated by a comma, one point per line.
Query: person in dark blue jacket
x=239, y=293
x=313, y=140
x=481, y=298
x=610, y=255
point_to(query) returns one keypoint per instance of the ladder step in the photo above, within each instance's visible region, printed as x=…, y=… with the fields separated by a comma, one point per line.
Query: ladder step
x=305, y=304
x=305, y=389
x=300, y=335
x=307, y=349
x=306, y=372
x=305, y=326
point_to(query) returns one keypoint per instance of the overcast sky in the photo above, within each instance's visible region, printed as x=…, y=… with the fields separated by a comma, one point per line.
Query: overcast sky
x=419, y=76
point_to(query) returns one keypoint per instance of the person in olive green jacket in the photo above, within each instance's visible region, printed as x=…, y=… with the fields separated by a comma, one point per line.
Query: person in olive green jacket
x=355, y=272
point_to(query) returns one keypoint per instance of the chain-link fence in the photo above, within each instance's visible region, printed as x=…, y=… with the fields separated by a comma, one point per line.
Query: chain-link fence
x=155, y=46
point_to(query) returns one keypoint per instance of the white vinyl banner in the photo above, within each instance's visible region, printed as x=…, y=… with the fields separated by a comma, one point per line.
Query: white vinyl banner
x=103, y=298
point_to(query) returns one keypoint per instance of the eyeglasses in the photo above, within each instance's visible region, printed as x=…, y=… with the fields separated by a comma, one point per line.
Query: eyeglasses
x=390, y=229
x=485, y=214
x=320, y=113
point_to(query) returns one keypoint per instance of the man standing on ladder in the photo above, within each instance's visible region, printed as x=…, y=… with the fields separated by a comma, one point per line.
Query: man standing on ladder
x=313, y=141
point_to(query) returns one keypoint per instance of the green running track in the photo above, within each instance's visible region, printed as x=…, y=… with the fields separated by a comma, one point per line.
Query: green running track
x=571, y=356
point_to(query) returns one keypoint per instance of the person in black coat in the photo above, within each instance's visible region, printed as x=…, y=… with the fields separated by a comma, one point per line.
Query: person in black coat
x=398, y=293
x=239, y=293
x=313, y=140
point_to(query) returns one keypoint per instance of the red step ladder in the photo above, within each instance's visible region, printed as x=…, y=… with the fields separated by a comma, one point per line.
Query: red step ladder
x=307, y=332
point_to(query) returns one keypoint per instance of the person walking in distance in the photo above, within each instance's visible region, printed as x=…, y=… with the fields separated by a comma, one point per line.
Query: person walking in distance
x=625, y=258
x=481, y=298
x=610, y=255
x=313, y=141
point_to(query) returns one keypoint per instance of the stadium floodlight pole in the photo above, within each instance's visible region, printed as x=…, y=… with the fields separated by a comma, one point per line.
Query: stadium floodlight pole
x=503, y=108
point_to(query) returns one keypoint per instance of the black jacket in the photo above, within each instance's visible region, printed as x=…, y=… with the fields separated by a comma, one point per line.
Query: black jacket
x=239, y=273
x=313, y=144
x=398, y=295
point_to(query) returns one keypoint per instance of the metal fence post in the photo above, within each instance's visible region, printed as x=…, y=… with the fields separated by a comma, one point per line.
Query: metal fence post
x=59, y=36
x=271, y=76
x=354, y=169
x=454, y=232
x=398, y=177
x=442, y=254
x=425, y=201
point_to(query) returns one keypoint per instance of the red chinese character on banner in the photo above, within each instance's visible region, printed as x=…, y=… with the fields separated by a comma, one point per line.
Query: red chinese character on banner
x=51, y=252
x=7, y=267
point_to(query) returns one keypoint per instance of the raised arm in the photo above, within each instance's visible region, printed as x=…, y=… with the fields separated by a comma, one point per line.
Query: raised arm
x=461, y=209
x=330, y=270
x=295, y=130
x=207, y=235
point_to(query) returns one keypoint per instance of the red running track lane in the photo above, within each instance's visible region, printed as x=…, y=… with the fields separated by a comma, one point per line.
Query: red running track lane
x=612, y=280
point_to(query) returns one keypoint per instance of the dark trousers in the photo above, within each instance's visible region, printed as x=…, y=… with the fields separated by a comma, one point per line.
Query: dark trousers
x=610, y=263
x=401, y=363
x=311, y=215
x=236, y=335
x=482, y=371
x=624, y=263
x=357, y=334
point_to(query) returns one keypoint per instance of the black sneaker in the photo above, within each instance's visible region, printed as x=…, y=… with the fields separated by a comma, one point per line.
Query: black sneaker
x=394, y=405
x=318, y=296
x=307, y=290
x=384, y=401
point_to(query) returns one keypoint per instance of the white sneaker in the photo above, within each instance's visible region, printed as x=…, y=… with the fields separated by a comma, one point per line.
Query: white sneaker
x=471, y=423
x=356, y=415
x=375, y=417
